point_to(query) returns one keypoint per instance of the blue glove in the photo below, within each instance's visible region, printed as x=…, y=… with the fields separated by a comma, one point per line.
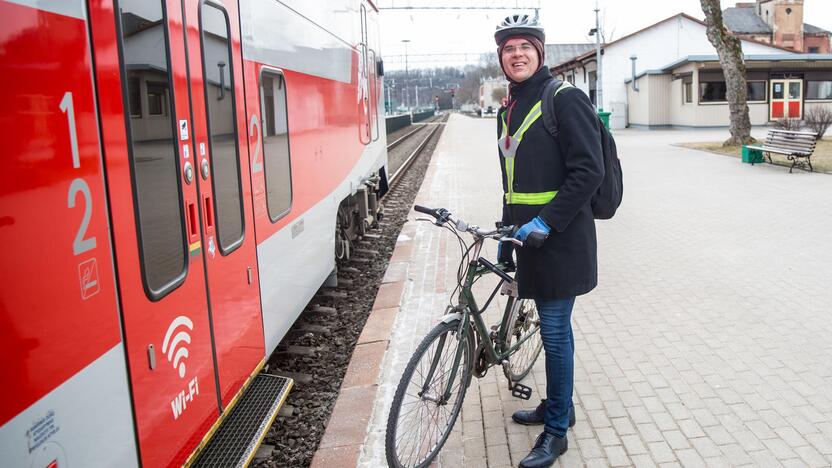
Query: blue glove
x=533, y=233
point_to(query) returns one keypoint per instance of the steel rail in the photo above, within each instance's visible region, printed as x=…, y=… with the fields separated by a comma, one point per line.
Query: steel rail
x=394, y=179
x=403, y=138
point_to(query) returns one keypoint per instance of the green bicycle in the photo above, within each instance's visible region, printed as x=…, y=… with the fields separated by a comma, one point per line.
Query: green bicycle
x=430, y=393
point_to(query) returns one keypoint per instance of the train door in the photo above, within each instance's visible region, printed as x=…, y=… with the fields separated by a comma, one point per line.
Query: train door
x=216, y=84
x=151, y=171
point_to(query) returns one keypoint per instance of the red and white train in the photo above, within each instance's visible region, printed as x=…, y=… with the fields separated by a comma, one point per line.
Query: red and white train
x=178, y=176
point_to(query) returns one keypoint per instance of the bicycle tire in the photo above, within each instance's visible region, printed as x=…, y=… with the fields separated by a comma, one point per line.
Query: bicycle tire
x=395, y=423
x=523, y=319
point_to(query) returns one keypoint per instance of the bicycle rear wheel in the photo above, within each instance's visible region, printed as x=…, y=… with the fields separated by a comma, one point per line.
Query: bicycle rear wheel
x=523, y=324
x=420, y=418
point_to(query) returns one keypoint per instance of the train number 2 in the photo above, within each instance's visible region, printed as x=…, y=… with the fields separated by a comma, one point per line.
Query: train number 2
x=80, y=244
x=256, y=162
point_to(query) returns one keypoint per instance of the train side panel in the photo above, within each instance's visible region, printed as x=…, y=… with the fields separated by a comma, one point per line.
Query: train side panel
x=320, y=79
x=65, y=388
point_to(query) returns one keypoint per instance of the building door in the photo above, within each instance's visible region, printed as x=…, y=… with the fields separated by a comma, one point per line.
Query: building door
x=786, y=99
x=224, y=185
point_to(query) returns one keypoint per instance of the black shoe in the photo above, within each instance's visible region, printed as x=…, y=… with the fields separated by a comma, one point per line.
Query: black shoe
x=536, y=416
x=547, y=449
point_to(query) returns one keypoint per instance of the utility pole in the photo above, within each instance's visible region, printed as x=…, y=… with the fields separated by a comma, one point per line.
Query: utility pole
x=406, y=75
x=417, y=96
x=599, y=95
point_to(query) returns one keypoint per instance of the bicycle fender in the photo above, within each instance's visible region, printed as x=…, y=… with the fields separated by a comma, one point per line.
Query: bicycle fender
x=448, y=318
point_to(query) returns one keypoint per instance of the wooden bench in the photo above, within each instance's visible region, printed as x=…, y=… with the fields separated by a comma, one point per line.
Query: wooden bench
x=797, y=146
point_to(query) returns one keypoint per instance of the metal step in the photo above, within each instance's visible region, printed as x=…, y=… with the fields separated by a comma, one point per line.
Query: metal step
x=239, y=435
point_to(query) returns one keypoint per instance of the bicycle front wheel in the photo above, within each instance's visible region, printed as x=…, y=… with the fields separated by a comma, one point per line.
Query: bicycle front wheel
x=523, y=327
x=422, y=415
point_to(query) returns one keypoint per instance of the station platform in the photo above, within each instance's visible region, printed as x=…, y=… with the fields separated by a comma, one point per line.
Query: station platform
x=706, y=342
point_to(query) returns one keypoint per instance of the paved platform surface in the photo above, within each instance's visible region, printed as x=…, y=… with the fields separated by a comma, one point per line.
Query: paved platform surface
x=708, y=341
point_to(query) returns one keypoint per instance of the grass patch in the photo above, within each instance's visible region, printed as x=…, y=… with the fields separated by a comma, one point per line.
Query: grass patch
x=821, y=158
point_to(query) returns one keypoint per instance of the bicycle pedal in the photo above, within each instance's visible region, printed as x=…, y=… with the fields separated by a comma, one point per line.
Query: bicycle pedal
x=521, y=391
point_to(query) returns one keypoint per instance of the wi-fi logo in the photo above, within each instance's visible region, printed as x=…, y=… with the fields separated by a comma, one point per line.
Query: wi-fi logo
x=173, y=338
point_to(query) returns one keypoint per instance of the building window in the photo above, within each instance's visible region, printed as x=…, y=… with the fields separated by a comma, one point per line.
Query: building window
x=157, y=98
x=687, y=90
x=814, y=50
x=716, y=91
x=712, y=91
x=134, y=93
x=592, y=87
x=276, y=143
x=816, y=90
x=756, y=91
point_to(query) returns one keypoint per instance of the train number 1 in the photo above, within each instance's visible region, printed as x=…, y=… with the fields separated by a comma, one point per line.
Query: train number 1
x=79, y=185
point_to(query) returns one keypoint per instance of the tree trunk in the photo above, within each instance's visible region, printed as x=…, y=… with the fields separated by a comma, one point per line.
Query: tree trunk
x=729, y=48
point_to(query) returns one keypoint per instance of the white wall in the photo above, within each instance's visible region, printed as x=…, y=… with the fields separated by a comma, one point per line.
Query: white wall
x=639, y=108
x=683, y=113
x=655, y=48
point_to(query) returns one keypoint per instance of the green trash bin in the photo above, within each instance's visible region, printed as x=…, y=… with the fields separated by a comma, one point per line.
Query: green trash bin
x=605, y=117
x=750, y=155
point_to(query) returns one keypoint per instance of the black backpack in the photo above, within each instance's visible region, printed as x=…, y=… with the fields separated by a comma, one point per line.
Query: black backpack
x=608, y=197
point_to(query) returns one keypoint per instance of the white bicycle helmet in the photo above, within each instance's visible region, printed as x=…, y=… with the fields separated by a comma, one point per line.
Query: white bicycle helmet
x=519, y=24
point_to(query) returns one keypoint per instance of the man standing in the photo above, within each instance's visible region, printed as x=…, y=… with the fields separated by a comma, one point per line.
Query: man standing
x=548, y=183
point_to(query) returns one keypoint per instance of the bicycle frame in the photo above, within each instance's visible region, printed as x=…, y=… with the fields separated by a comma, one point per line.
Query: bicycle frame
x=467, y=306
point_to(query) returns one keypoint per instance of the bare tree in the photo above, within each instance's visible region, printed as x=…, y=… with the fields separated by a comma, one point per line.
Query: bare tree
x=729, y=48
x=819, y=119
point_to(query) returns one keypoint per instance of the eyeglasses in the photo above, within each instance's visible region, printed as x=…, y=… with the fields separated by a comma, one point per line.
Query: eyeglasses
x=525, y=48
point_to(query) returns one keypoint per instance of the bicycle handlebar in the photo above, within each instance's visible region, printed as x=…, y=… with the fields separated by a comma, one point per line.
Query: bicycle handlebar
x=502, y=234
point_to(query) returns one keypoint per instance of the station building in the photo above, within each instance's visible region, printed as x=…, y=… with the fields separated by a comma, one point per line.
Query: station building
x=668, y=74
x=690, y=92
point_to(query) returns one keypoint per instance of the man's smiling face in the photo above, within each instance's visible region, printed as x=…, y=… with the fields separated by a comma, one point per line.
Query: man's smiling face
x=519, y=58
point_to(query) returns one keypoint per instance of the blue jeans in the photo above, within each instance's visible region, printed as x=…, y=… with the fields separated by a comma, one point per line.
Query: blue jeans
x=559, y=346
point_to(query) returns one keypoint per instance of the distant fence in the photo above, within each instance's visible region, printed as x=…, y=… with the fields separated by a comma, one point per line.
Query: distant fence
x=422, y=116
x=397, y=123
x=401, y=121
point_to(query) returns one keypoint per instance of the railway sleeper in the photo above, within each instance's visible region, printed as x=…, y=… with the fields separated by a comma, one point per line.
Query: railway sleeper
x=322, y=310
x=299, y=350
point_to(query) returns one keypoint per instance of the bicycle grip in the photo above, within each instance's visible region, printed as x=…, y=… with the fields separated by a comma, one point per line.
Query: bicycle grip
x=425, y=210
x=495, y=270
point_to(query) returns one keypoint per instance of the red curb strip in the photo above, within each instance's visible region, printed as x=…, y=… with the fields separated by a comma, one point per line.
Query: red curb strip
x=348, y=425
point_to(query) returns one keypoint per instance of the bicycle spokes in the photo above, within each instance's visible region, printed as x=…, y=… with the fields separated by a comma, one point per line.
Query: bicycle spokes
x=425, y=416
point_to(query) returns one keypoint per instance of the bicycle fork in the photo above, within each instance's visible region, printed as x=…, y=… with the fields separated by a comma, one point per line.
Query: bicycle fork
x=446, y=393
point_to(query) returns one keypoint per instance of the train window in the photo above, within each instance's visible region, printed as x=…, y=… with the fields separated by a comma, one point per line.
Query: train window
x=222, y=125
x=152, y=145
x=273, y=108
x=373, y=77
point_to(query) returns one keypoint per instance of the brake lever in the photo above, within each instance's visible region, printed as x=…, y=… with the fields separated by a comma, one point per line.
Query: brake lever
x=514, y=241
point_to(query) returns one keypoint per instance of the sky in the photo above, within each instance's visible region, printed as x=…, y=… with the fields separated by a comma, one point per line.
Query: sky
x=566, y=21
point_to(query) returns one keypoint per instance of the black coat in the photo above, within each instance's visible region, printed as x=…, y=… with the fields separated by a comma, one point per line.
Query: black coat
x=573, y=165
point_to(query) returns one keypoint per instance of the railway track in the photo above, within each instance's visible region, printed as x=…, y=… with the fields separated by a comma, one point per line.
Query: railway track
x=430, y=130
x=318, y=347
